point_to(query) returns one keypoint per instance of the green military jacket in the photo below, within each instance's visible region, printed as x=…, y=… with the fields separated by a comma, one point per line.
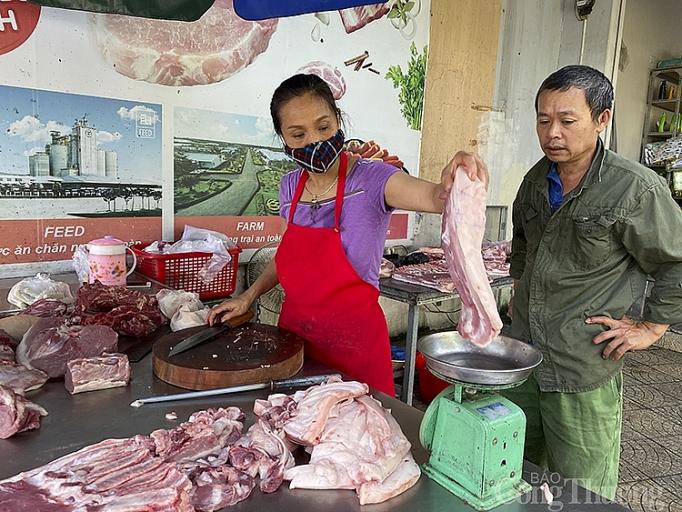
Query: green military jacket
x=590, y=258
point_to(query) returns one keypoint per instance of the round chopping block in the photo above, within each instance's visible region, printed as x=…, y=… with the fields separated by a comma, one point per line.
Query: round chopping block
x=249, y=354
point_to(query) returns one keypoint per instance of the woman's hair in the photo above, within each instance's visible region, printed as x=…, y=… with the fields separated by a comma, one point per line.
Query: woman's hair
x=296, y=86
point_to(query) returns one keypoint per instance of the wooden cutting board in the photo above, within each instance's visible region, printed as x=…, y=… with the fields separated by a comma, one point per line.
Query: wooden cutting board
x=247, y=354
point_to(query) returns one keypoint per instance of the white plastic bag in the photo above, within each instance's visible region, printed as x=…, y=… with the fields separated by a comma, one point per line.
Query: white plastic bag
x=29, y=290
x=204, y=240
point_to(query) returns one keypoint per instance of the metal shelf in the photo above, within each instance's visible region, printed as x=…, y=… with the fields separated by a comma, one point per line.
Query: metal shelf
x=661, y=134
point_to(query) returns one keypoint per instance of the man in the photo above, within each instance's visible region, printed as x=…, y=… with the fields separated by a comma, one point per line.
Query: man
x=588, y=226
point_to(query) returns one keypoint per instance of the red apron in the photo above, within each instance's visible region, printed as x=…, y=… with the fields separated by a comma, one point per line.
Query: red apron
x=327, y=303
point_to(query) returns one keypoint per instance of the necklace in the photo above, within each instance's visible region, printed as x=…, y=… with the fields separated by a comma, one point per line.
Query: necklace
x=315, y=196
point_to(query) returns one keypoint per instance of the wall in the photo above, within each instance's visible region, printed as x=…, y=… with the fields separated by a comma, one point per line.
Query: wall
x=537, y=37
x=651, y=32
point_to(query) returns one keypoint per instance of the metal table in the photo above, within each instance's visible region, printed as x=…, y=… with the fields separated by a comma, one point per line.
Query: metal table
x=415, y=296
x=77, y=421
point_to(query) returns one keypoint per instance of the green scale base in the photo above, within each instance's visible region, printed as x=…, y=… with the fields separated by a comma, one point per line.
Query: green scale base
x=475, y=438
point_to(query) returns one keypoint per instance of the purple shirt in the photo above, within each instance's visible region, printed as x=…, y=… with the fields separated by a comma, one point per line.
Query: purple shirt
x=364, y=216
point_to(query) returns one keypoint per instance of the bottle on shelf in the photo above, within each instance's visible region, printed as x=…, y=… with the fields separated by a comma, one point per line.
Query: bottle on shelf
x=660, y=125
x=663, y=90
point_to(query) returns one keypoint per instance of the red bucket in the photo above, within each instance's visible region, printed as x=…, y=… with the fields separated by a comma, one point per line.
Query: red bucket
x=429, y=384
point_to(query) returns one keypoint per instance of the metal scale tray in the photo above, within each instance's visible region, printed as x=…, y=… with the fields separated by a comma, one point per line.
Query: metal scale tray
x=504, y=362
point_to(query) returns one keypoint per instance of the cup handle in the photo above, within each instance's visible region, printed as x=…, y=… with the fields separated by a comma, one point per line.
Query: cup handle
x=132, y=269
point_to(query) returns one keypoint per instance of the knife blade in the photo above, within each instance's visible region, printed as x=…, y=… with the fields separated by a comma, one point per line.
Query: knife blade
x=208, y=333
x=295, y=382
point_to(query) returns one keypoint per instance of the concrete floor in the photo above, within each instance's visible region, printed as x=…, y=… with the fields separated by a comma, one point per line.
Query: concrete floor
x=651, y=445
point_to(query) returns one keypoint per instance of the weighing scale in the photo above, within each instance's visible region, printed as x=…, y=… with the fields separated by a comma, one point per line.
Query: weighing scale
x=474, y=435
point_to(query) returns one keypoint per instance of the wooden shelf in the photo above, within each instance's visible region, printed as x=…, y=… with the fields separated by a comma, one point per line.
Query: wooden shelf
x=669, y=105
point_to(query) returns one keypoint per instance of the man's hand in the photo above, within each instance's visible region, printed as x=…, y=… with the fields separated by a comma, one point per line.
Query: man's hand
x=626, y=334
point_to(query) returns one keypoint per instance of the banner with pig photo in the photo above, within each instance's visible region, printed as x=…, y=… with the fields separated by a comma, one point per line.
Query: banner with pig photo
x=215, y=161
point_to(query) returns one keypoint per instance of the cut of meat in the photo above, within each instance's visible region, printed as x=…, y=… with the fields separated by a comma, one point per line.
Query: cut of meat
x=329, y=74
x=7, y=341
x=6, y=355
x=17, y=414
x=206, y=433
x=360, y=447
x=216, y=488
x=94, y=373
x=46, y=308
x=50, y=343
x=361, y=443
x=354, y=18
x=386, y=269
x=18, y=378
x=462, y=235
x=209, y=50
x=405, y=476
x=496, y=258
x=432, y=275
x=313, y=407
x=116, y=475
x=262, y=451
x=128, y=312
x=16, y=326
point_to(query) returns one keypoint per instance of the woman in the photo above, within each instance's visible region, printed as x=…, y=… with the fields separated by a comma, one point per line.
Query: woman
x=337, y=208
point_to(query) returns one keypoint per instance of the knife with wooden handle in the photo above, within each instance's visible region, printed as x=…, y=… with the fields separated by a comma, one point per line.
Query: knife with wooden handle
x=208, y=333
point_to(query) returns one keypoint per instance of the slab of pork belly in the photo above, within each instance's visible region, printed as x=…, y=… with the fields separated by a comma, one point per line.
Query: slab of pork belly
x=94, y=373
x=314, y=406
x=462, y=235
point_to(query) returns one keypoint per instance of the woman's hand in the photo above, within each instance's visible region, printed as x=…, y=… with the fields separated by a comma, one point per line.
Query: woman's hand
x=229, y=309
x=472, y=164
x=371, y=150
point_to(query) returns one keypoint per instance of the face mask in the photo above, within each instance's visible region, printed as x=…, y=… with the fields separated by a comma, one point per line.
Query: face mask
x=318, y=156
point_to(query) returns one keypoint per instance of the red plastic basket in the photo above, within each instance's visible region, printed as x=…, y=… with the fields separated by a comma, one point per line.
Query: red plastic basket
x=180, y=271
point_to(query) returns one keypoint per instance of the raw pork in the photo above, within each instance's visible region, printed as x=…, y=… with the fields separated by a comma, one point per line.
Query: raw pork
x=329, y=74
x=386, y=269
x=15, y=327
x=496, y=258
x=6, y=354
x=17, y=377
x=263, y=452
x=354, y=18
x=46, y=308
x=6, y=340
x=405, y=476
x=116, y=475
x=94, y=373
x=50, y=343
x=214, y=488
x=462, y=236
x=432, y=275
x=313, y=407
x=184, y=309
x=128, y=312
x=206, y=433
x=206, y=51
x=361, y=443
x=17, y=414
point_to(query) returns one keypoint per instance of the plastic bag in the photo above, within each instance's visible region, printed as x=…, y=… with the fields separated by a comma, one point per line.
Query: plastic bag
x=81, y=264
x=29, y=290
x=204, y=240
